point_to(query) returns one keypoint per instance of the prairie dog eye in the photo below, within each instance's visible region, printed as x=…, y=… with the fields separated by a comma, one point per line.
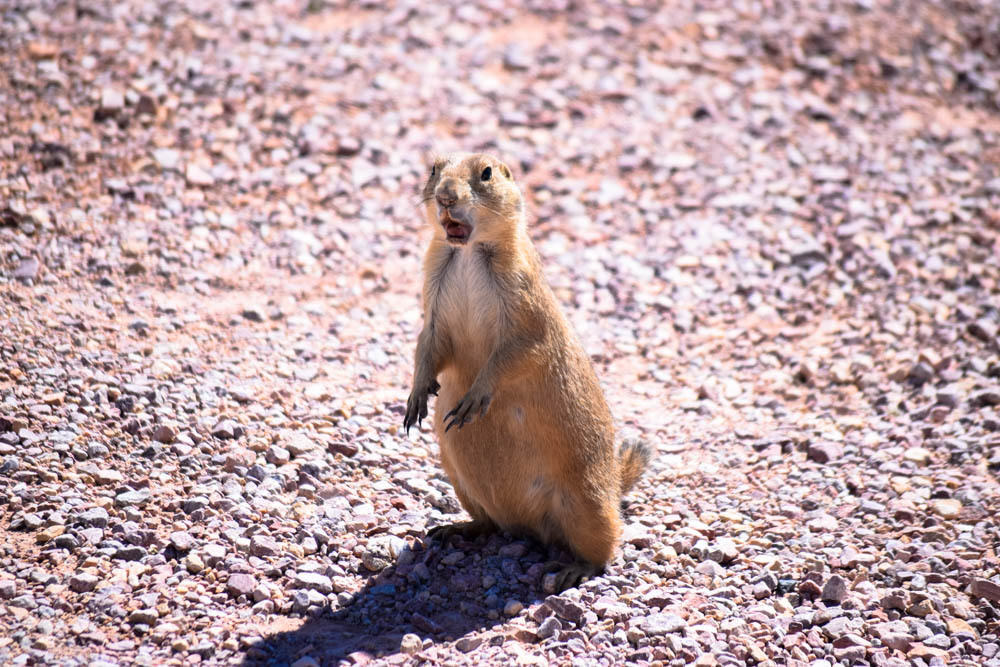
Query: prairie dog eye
x=487, y=174
x=433, y=170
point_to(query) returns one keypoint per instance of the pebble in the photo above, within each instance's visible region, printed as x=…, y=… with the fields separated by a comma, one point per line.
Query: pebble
x=835, y=589
x=112, y=101
x=512, y=608
x=724, y=551
x=27, y=270
x=164, y=433
x=566, y=608
x=314, y=580
x=227, y=429
x=83, y=582
x=548, y=627
x=167, y=158
x=96, y=517
x=947, y=508
x=240, y=584
x=410, y=644
x=825, y=451
x=132, y=499
x=661, y=624
x=194, y=563
x=984, y=588
x=144, y=616
x=182, y=540
x=197, y=176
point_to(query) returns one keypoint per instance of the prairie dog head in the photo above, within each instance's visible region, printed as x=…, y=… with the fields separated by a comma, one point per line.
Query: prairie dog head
x=471, y=196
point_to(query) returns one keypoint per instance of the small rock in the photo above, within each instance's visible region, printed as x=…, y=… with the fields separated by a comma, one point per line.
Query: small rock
x=548, y=627
x=809, y=588
x=49, y=534
x=984, y=330
x=313, y=581
x=710, y=568
x=112, y=102
x=638, y=535
x=167, y=158
x=240, y=584
x=985, y=398
x=467, y=644
x=513, y=608
x=825, y=451
x=264, y=546
x=108, y=477
x=95, y=516
x=42, y=50
x=927, y=652
x=164, y=433
x=26, y=270
x=130, y=553
x=381, y=551
x=343, y=448
x=822, y=524
x=132, y=498
x=253, y=314
x=920, y=373
x=897, y=641
x=410, y=644
x=921, y=609
x=8, y=589
x=227, y=429
x=144, y=616
x=835, y=589
x=723, y=551
x=661, y=624
x=516, y=58
x=918, y=455
x=894, y=601
x=191, y=505
x=83, y=582
x=984, y=588
x=135, y=269
x=957, y=625
x=181, y=540
x=947, y=508
x=196, y=175
x=566, y=608
x=299, y=444
x=279, y=456
x=194, y=564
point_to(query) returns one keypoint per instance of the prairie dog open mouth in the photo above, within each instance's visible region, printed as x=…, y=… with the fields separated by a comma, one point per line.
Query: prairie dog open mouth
x=455, y=231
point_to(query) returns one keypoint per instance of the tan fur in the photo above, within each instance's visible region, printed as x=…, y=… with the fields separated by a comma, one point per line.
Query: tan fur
x=537, y=450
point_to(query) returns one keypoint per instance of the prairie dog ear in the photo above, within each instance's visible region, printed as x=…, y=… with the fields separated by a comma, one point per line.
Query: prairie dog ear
x=505, y=170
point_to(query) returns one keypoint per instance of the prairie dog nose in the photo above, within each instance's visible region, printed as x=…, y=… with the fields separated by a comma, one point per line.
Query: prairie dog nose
x=447, y=193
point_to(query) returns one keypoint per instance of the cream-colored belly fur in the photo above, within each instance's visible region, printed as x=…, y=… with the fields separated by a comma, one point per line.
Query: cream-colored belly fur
x=489, y=461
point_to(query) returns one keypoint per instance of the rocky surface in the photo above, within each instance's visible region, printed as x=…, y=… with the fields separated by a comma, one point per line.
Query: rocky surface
x=775, y=230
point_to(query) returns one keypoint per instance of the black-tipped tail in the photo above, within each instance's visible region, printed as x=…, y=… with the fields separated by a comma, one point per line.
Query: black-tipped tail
x=634, y=458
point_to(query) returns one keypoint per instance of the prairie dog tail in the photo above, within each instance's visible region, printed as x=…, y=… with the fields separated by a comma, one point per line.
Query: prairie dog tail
x=633, y=459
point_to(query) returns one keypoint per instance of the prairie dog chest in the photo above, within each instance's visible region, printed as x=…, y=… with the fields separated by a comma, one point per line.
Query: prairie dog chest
x=469, y=303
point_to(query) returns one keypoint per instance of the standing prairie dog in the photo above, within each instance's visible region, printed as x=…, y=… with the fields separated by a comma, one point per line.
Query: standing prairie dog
x=526, y=435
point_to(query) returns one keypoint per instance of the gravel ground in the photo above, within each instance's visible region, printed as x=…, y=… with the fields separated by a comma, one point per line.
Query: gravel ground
x=775, y=226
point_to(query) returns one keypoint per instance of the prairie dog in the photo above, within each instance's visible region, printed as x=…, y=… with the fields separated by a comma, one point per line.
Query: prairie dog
x=525, y=433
